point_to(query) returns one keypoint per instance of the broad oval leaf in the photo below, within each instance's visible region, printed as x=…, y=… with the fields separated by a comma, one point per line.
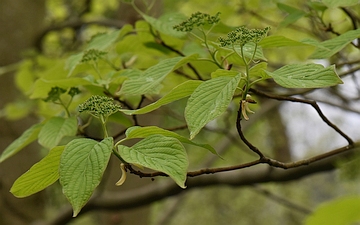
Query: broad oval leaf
x=41, y=175
x=181, y=91
x=210, y=99
x=55, y=129
x=82, y=165
x=152, y=77
x=337, y=212
x=30, y=135
x=143, y=132
x=305, y=76
x=161, y=153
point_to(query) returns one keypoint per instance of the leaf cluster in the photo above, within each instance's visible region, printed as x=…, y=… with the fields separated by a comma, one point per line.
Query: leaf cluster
x=151, y=61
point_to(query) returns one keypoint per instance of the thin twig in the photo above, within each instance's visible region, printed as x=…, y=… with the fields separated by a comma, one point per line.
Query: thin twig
x=309, y=102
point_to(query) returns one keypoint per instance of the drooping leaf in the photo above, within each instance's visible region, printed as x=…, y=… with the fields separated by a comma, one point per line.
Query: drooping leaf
x=55, y=129
x=30, y=135
x=143, y=132
x=210, y=99
x=161, y=153
x=305, y=76
x=152, y=77
x=165, y=23
x=41, y=175
x=294, y=14
x=181, y=91
x=330, y=47
x=342, y=211
x=82, y=165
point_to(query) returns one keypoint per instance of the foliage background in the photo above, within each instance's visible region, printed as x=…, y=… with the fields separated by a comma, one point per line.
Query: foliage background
x=276, y=128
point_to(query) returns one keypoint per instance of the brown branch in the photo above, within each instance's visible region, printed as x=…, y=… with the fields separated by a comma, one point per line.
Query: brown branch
x=242, y=136
x=309, y=102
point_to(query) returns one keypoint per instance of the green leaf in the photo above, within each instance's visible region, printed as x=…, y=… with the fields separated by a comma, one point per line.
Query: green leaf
x=330, y=47
x=294, y=14
x=41, y=175
x=152, y=77
x=165, y=23
x=82, y=165
x=210, y=99
x=26, y=138
x=181, y=91
x=279, y=41
x=249, y=49
x=305, y=76
x=161, y=153
x=103, y=41
x=99, y=42
x=342, y=3
x=259, y=70
x=143, y=132
x=55, y=129
x=342, y=211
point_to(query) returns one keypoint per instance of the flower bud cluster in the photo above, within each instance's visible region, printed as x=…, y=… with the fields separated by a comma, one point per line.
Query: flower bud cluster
x=54, y=94
x=92, y=54
x=99, y=106
x=243, y=35
x=197, y=19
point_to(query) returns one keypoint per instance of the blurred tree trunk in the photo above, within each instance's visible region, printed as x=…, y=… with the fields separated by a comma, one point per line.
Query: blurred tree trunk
x=20, y=23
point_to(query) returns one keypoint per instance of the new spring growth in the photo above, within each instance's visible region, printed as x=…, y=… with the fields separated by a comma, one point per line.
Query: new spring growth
x=92, y=55
x=99, y=106
x=242, y=35
x=197, y=19
x=245, y=106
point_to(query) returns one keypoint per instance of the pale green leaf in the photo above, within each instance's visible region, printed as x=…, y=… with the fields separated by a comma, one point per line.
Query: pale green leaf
x=30, y=135
x=103, y=41
x=165, y=23
x=279, y=41
x=259, y=70
x=294, y=14
x=249, y=49
x=161, y=153
x=99, y=42
x=143, y=132
x=152, y=77
x=82, y=165
x=41, y=175
x=340, y=3
x=210, y=99
x=330, y=47
x=55, y=129
x=342, y=211
x=305, y=76
x=181, y=91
